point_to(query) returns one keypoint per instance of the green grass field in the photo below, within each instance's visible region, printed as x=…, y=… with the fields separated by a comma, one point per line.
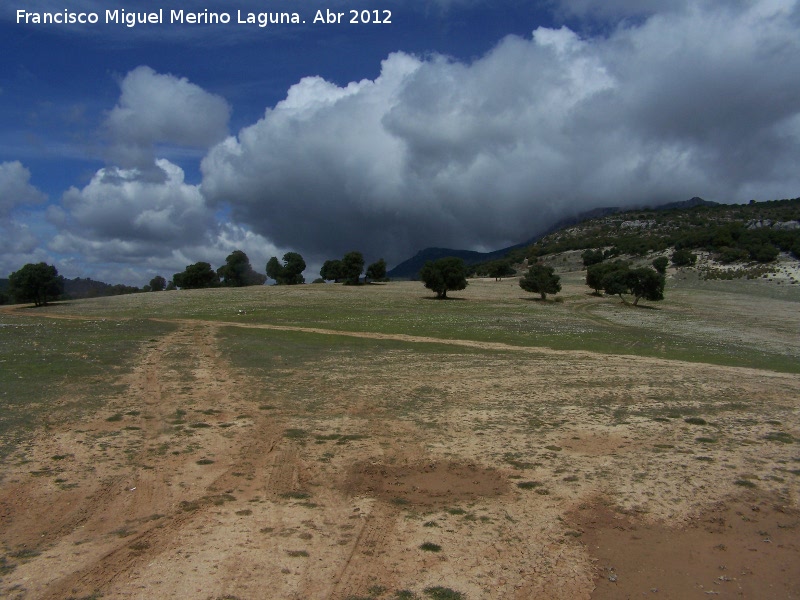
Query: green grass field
x=44, y=362
x=745, y=324
x=731, y=323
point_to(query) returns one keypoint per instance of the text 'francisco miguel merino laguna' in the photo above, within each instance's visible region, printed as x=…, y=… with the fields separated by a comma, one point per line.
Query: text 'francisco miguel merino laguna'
x=204, y=17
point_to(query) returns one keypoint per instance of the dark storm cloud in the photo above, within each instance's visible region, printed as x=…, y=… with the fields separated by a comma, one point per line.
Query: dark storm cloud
x=698, y=100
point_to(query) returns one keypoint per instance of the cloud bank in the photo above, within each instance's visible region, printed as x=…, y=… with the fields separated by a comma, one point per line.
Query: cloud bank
x=674, y=99
x=698, y=100
x=138, y=216
x=18, y=244
x=162, y=109
x=16, y=189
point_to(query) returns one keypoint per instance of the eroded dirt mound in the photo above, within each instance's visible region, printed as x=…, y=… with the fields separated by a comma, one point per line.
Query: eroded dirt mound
x=427, y=483
x=742, y=547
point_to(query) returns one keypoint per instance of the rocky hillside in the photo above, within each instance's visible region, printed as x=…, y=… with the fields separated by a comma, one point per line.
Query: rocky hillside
x=758, y=231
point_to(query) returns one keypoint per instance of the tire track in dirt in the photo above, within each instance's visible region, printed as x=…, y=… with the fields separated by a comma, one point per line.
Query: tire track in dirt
x=363, y=567
x=268, y=462
x=145, y=547
x=145, y=486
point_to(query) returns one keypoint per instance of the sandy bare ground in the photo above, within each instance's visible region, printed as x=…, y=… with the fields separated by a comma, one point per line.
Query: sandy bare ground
x=492, y=471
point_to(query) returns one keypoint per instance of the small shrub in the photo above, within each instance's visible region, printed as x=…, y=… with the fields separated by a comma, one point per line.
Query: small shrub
x=296, y=495
x=189, y=505
x=5, y=566
x=139, y=547
x=25, y=554
x=376, y=590
x=443, y=593
x=695, y=421
x=295, y=434
x=528, y=485
x=430, y=547
x=744, y=483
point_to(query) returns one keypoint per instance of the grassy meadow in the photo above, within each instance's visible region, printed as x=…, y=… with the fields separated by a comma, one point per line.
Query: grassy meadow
x=263, y=442
x=46, y=360
x=738, y=323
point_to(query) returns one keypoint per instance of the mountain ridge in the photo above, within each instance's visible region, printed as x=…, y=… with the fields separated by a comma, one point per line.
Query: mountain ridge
x=409, y=268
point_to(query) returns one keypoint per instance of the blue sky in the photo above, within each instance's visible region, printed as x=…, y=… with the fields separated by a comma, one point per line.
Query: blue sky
x=130, y=152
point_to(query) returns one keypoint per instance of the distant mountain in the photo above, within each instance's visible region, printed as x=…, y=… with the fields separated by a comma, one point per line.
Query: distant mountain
x=409, y=268
x=691, y=203
x=83, y=287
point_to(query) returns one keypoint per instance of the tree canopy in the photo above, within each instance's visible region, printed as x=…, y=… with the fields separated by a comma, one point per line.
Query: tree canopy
x=35, y=283
x=352, y=267
x=646, y=283
x=376, y=271
x=331, y=270
x=660, y=264
x=237, y=271
x=196, y=276
x=288, y=273
x=500, y=268
x=158, y=284
x=542, y=280
x=683, y=258
x=444, y=275
x=592, y=257
x=618, y=278
x=596, y=273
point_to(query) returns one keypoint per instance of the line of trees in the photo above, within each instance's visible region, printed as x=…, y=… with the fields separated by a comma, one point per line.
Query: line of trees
x=236, y=272
x=349, y=268
x=40, y=283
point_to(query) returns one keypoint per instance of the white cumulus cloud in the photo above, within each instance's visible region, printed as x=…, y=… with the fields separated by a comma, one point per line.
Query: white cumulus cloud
x=156, y=108
x=18, y=243
x=16, y=189
x=699, y=99
x=121, y=220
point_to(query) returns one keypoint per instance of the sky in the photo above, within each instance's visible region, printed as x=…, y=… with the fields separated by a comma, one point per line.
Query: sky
x=133, y=151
